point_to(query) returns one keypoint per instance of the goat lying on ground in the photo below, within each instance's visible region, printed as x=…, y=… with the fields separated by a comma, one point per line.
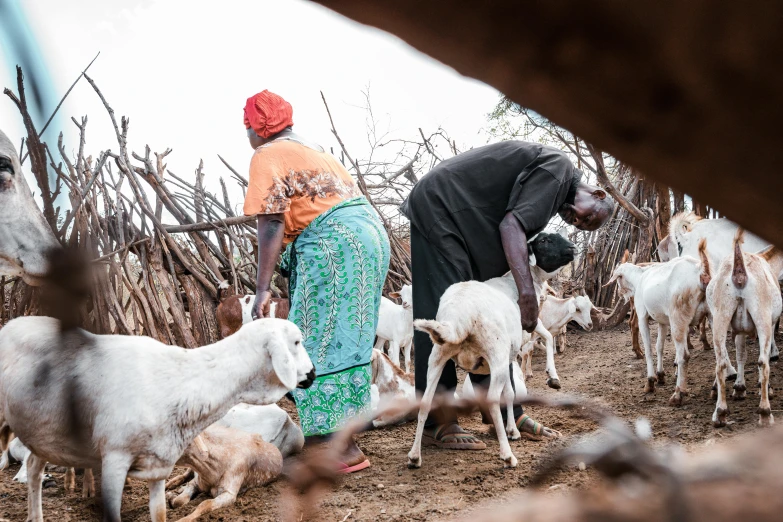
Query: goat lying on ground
x=225, y=462
x=555, y=314
x=672, y=294
x=271, y=422
x=177, y=393
x=744, y=295
x=389, y=383
x=395, y=324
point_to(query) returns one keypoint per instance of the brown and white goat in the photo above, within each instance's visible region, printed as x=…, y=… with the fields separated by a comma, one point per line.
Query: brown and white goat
x=235, y=310
x=226, y=462
x=391, y=384
x=745, y=296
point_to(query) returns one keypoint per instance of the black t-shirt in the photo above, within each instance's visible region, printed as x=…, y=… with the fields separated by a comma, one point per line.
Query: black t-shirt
x=471, y=193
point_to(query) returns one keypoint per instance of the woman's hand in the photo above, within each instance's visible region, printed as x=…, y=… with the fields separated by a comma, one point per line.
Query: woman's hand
x=528, y=310
x=261, y=305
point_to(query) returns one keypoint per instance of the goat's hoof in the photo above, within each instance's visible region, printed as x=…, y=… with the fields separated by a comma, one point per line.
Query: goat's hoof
x=661, y=378
x=528, y=376
x=719, y=417
x=510, y=462
x=513, y=434
x=774, y=358
x=676, y=399
x=649, y=387
x=553, y=383
x=739, y=392
x=414, y=462
x=88, y=491
x=766, y=419
x=732, y=377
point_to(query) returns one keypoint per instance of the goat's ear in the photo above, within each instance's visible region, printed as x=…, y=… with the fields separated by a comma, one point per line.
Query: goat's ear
x=571, y=307
x=282, y=359
x=394, y=295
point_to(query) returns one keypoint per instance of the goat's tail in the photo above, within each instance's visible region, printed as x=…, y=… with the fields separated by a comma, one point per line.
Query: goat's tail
x=739, y=274
x=441, y=332
x=705, y=276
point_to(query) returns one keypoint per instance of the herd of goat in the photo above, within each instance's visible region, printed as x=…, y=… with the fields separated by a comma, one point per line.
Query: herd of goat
x=64, y=395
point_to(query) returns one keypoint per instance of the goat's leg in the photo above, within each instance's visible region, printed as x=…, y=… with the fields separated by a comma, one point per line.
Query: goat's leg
x=379, y=344
x=703, y=334
x=553, y=381
x=742, y=358
x=394, y=351
x=644, y=331
x=224, y=499
x=69, y=482
x=527, y=358
x=407, y=355
x=633, y=323
x=157, y=500
x=88, y=484
x=659, y=344
x=114, y=469
x=187, y=494
x=21, y=475
x=35, y=469
x=4, y=460
x=765, y=411
x=774, y=354
x=512, y=432
x=680, y=338
x=719, y=333
x=177, y=481
x=435, y=366
x=498, y=379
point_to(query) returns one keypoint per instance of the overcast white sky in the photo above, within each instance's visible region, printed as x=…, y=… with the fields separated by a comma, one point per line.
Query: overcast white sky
x=182, y=72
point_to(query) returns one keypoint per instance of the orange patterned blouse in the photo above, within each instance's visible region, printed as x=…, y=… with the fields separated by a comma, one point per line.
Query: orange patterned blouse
x=289, y=178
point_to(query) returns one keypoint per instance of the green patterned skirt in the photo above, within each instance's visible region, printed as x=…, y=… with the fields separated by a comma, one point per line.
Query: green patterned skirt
x=337, y=268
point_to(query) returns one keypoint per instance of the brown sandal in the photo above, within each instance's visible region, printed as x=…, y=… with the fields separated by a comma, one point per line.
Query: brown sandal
x=456, y=440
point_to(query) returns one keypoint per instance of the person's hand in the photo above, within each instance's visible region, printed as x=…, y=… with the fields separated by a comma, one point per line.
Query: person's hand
x=261, y=305
x=528, y=311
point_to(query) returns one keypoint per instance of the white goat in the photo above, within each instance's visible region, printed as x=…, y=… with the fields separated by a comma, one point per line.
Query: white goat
x=744, y=295
x=389, y=383
x=478, y=327
x=174, y=395
x=270, y=421
x=225, y=462
x=672, y=294
x=25, y=236
x=555, y=314
x=508, y=287
x=395, y=324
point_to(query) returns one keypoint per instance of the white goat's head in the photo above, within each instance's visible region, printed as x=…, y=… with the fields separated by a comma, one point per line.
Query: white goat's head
x=25, y=236
x=625, y=286
x=580, y=311
x=406, y=294
x=286, y=363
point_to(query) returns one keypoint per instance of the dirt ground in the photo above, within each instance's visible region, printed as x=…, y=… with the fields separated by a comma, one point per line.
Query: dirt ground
x=450, y=484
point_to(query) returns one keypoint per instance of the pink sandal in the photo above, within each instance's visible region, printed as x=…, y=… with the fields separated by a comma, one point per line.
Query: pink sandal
x=345, y=468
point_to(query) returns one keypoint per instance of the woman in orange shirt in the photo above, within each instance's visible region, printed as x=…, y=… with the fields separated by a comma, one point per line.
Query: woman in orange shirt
x=337, y=256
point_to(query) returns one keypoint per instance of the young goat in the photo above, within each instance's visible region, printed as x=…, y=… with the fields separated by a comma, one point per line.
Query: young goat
x=390, y=383
x=226, y=462
x=177, y=393
x=235, y=310
x=744, y=295
x=672, y=294
x=555, y=314
x=395, y=324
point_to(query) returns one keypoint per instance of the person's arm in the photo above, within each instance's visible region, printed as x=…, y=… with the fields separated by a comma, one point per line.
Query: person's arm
x=514, y=241
x=270, y=242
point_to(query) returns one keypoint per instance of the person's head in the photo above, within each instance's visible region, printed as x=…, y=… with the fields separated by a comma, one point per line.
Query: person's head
x=266, y=115
x=591, y=209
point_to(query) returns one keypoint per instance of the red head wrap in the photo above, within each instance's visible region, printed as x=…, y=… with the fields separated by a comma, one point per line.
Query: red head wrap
x=267, y=113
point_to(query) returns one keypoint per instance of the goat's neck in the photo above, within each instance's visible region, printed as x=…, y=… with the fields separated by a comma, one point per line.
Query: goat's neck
x=557, y=311
x=218, y=377
x=633, y=277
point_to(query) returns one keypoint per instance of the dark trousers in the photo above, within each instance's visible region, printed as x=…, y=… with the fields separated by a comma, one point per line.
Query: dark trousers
x=439, y=262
